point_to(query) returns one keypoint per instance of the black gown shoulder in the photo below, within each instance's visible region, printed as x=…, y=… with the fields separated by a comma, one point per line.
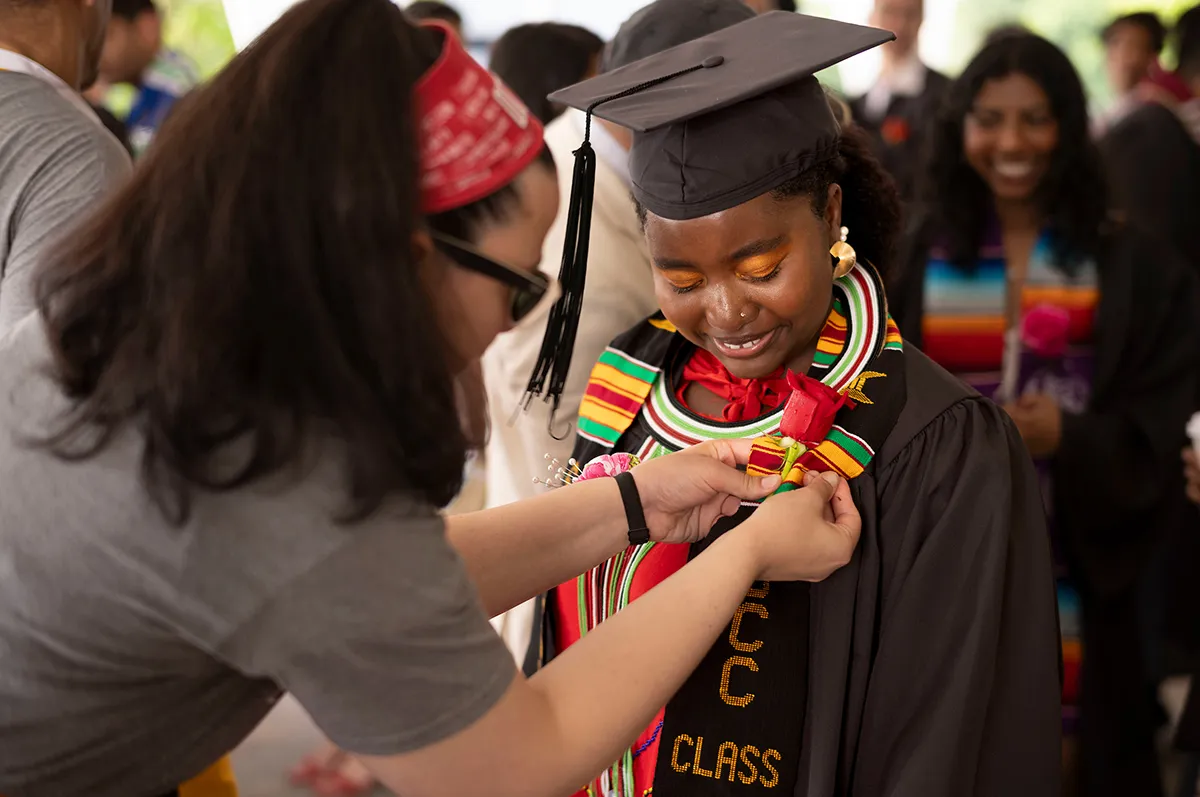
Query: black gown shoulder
x=953, y=657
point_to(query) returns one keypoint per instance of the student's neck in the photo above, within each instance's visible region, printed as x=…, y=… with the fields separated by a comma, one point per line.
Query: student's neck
x=1017, y=218
x=804, y=361
x=42, y=40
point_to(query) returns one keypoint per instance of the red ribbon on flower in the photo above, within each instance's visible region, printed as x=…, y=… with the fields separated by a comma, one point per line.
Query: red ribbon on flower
x=476, y=135
x=745, y=399
x=811, y=409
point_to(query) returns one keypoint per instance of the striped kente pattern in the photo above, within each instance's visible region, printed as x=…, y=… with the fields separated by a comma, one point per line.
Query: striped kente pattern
x=618, y=388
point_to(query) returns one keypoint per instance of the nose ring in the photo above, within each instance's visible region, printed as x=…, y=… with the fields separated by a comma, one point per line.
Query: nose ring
x=743, y=315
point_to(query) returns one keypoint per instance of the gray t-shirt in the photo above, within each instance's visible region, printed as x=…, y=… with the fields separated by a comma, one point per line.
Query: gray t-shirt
x=55, y=164
x=133, y=653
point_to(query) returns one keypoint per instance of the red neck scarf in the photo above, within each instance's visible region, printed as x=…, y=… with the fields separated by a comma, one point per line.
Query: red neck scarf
x=746, y=399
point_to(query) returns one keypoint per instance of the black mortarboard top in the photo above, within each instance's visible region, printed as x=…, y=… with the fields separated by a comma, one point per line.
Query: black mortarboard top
x=717, y=122
x=745, y=116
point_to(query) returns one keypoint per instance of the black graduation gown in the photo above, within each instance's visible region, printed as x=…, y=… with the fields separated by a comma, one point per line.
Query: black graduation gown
x=902, y=159
x=934, y=665
x=1153, y=166
x=1116, y=479
x=934, y=668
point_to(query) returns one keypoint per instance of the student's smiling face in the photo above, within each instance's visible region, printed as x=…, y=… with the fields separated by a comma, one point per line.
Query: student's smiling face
x=752, y=284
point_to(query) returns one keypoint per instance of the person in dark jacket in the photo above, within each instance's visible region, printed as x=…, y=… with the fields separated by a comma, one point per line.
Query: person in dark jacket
x=1153, y=156
x=896, y=110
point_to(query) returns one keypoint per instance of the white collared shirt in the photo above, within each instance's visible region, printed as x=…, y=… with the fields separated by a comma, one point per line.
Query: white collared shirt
x=15, y=62
x=906, y=80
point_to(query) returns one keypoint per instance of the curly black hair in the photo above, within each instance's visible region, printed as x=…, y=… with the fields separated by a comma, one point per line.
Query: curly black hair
x=870, y=200
x=1073, y=195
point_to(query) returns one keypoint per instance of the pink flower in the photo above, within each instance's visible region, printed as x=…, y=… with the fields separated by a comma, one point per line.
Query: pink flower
x=607, y=465
x=810, y=409
x=1044, y=330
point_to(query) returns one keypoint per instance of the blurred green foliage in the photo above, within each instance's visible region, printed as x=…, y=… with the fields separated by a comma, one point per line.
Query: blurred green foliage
x=198, y=28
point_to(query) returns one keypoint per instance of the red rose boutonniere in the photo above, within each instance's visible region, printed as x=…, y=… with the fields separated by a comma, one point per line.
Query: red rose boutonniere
x=810, y=409
x=895, y=130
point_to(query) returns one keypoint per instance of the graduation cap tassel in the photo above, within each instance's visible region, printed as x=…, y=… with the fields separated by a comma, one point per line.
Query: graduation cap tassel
x=554, y=360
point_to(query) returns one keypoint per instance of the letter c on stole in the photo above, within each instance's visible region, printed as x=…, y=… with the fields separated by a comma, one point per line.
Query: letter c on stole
x=733, y=700
x=675, y=765
x=735, y=627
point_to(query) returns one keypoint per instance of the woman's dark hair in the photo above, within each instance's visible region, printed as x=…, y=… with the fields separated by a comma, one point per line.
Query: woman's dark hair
x=255, y=288
x=1072, y=196
x=538, y=59
x=1186, y=36
x=1147, y=21
x=870, y=200
x=129, y=9
x=432, y=9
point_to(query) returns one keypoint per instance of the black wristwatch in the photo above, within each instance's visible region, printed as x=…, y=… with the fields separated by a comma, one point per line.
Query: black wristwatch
x=639, y=534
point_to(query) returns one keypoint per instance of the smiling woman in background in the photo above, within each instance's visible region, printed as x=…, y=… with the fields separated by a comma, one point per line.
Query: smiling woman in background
x=1018, y=281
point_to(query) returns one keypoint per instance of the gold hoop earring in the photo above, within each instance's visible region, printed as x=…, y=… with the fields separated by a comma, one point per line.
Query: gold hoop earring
x=844, y=256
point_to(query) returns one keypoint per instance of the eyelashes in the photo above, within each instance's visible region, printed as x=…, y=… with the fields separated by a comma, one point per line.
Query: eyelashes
x=685, y=288
x=761, y=276
x=767, y=277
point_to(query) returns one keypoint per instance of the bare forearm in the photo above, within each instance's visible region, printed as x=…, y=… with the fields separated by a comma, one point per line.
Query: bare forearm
x=606, y=688
x=517, y=551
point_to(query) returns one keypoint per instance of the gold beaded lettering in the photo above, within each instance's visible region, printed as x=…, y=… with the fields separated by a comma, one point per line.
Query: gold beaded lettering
x=747, y=751
x=675, y=765
x=696, y=768
x=735, y=700
x=736, y=627
x=773, y=780
x=727, y=754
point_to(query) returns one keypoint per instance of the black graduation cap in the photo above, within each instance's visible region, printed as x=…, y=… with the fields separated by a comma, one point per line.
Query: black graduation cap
x=717, y=122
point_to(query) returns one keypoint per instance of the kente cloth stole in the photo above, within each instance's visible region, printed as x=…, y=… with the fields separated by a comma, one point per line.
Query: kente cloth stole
x=737, y=725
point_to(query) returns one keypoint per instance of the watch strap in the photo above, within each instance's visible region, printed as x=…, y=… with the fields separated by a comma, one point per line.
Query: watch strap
x=639, y=533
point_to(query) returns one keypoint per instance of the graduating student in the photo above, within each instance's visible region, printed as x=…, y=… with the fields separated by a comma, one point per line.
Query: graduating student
x=927, y=666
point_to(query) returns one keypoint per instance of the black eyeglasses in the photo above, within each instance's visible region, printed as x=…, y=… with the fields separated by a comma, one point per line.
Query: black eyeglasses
x=532, y=290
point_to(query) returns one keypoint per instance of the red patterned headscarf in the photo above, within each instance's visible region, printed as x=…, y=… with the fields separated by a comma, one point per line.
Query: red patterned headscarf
x=476, y=135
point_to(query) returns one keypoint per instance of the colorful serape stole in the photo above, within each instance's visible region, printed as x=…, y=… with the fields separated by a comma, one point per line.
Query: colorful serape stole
x=964, y=333
x=963, y=323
